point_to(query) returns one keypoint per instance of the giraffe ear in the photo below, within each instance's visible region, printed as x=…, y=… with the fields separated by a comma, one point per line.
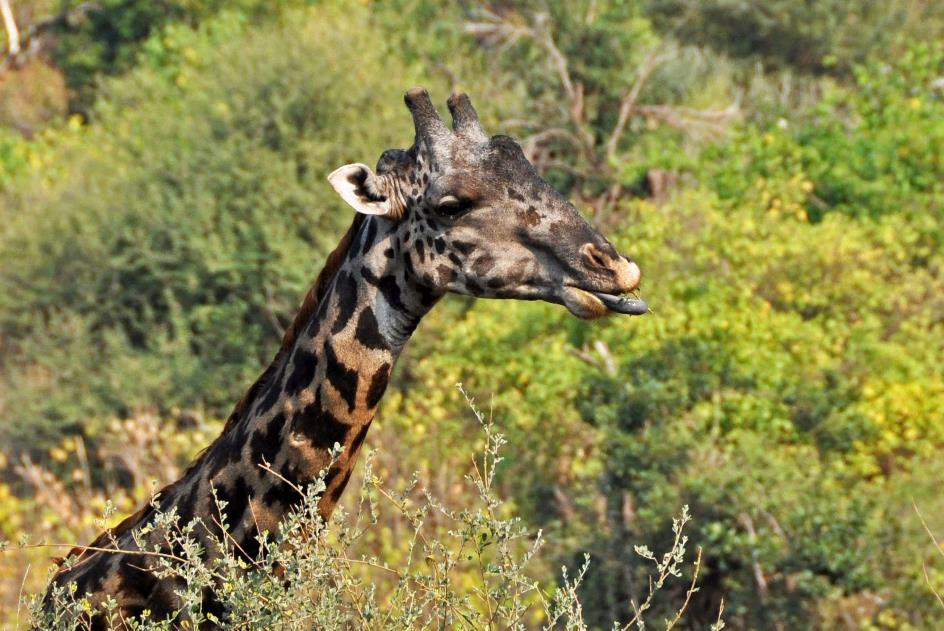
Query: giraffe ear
x=358, y=186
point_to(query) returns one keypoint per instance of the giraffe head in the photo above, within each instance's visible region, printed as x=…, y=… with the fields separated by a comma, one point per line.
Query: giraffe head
x=472, y=216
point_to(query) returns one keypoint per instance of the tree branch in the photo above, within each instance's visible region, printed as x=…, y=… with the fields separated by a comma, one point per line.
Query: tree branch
x=541, y=33
x=9, y=23
x=532, y=142
x=759, y=576
x=631, y=97
x=494, y=26
x=28, y=44
x=686, y=118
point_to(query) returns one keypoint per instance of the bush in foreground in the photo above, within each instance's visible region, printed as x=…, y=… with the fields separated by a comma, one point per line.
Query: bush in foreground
x=464, y=568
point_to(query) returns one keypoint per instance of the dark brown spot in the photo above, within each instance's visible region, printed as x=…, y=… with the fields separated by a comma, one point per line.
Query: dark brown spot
x=237, y=499
x=323, y=429
x=266, y=442
x=378, y=385
x=464, y=247
x=482, y=265
x=187, y=505
x=371, y=232
x=209, y=600
x=339, y=487
x=343, y=379
x=346, y=289
x=530, y=216
x=359, y=439
x=446, y=274
x=273, y=390
x=132, y=579
x=304, y=364
x=558, y=229
x=368, y=331
x=389, y=288
x=281, y=492
x=319, y=426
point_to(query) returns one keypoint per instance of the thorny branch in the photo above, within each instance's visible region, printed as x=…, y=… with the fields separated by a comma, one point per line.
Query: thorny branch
x=668, y=565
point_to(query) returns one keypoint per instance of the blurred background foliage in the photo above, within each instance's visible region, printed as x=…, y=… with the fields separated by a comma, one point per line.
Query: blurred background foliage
x=775, y=167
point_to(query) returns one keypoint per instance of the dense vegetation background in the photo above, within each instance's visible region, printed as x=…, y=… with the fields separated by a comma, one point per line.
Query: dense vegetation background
x=777, y=169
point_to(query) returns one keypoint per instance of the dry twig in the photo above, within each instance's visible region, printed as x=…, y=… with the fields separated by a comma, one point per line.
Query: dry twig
x=937, y=546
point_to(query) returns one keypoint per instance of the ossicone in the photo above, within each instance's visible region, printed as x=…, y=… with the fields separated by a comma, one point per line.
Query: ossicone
x=465, y=120
x=429, y=126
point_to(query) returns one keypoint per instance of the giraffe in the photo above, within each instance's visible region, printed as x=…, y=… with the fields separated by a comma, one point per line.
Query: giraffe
x=458, y=211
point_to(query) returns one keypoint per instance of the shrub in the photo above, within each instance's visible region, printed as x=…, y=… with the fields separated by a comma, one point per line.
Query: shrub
x=464, y=568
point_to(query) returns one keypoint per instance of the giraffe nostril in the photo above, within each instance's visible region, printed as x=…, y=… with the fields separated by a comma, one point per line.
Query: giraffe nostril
x=592, y=255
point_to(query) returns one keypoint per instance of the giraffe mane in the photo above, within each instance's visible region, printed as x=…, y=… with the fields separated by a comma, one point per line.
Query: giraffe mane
x=308, y=307
x=305, y=311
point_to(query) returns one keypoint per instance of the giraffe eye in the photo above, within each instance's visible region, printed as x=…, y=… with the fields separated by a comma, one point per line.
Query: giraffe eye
x=451, y=206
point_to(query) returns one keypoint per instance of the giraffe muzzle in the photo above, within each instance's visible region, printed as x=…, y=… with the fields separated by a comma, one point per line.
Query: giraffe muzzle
x=626, y=275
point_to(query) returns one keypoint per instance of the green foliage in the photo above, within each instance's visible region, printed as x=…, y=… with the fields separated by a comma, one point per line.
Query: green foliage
x=20, y=156
x=827, y=36
x=110, y=36
x=865, y=150
x=195, y=212
x=13, y=156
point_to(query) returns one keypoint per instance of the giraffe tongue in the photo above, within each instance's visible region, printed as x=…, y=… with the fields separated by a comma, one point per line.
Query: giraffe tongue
x=628, y=306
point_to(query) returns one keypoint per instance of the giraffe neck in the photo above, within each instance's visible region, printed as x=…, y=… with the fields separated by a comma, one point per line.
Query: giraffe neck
x=322, y=390
x=325, y=390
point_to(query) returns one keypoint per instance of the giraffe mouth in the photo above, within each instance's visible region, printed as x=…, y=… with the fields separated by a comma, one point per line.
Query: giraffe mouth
x=622, y=304
x=589, y=304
